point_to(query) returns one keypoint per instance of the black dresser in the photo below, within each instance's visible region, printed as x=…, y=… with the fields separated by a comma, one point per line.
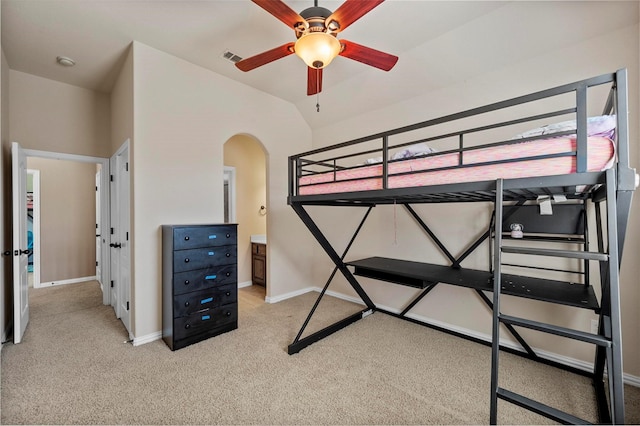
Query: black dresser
x=199, y=282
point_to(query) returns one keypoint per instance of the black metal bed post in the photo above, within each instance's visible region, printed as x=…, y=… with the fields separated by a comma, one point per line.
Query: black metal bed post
x=615, y=374
x=497, y=281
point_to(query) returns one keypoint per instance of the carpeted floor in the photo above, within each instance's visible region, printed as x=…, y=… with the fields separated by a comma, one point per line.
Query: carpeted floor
x=74, y=367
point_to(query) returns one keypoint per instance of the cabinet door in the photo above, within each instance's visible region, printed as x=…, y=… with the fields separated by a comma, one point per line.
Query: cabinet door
x=259, y=270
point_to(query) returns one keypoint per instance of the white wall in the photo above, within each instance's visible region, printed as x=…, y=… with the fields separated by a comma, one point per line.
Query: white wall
x=395, y=235
x=183, y=114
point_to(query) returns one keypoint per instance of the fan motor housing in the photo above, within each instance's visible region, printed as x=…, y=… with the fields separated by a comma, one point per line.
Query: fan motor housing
x=316, y=17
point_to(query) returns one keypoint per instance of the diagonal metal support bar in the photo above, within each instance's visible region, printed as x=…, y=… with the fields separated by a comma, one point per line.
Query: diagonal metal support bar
x=333, y=274
x=431, y=234
x=324, y=243
x=509, y=327
x=415, y=301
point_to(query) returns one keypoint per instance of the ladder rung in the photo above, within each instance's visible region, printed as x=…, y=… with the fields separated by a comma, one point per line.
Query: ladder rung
x=589, y=255
x=596, y=339
x=540, y=408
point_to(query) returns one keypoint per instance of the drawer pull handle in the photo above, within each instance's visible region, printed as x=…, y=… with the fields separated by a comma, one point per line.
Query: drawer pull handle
x=212, y=253
x=186, y=260
x=228, y=293
x=186, y=282
x=186, y=304
x=186, y=238
x=206, y=317
x=207, y=300
x=210, y=277
x=228, y=235
x=187, y=326
x=228, y=314
x=213, y=237
x=228, y=254
x=228, y=274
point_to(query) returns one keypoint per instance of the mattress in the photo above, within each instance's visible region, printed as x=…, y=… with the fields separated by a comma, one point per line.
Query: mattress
x=477, y=165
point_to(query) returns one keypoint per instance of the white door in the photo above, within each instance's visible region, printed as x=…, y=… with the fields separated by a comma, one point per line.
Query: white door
x=20, y=251
x=120, y=235
x=98, y=229
x=124, y=289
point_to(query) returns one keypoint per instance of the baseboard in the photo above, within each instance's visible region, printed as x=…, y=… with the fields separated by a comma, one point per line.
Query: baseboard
x=289, y=295
x=69, y=281
x=137, y=341
x=551, y=356
x=245, y=284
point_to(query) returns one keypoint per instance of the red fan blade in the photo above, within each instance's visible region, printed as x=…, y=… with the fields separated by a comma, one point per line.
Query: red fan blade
x=265, y=57
x=281, y=11
x=352, y=10
x=367, y=55
x=314, y=81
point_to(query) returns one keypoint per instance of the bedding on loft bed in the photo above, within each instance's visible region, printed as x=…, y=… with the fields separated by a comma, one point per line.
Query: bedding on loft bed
x=546, y=157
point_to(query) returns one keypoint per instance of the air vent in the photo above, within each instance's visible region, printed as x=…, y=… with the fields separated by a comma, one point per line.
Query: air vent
x=230, y=56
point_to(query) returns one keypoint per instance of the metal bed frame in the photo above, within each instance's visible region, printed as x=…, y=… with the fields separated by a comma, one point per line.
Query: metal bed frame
x=612, y=189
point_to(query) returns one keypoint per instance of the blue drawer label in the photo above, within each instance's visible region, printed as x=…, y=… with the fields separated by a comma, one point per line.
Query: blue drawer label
x=213, y=237
x=210, y=277
x=206, y=317
x=212, y=253
x=207, y=300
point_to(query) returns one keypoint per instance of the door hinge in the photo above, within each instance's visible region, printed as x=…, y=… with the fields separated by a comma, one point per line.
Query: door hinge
x=127, y=235
x=111, y=231
x=126, y=166
x=96, y=263
x=111, y=283
x=96, y=189
x=111, y=178
x=127, y=305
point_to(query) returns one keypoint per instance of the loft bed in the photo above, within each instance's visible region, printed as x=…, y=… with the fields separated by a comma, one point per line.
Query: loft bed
x=541, y=181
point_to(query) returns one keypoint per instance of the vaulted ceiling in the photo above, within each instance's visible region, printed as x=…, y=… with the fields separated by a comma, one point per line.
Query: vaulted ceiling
x=439, y=43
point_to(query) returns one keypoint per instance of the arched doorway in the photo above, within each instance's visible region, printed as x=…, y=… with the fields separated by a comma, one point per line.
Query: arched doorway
x=246, y=187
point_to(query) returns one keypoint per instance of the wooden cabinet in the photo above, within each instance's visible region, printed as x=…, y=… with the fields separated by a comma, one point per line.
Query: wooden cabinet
x=259, y=264
x=199, y=282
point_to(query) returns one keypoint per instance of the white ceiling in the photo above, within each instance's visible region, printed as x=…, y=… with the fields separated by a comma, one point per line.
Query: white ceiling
x=439, y=42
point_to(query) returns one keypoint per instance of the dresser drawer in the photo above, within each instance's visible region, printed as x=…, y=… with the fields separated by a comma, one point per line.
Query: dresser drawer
x=203, y=236
x=204, y=321
x=190, y=303
x=201, y=279
x=201, y=258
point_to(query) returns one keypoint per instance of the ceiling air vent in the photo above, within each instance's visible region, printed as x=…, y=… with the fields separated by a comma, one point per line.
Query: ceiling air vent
x=230, y=56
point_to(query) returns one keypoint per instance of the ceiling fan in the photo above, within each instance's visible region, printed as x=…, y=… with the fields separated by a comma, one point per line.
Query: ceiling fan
x=316, y=30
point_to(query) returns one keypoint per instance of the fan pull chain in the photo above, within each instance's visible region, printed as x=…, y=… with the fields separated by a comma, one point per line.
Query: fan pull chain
x=317, y=89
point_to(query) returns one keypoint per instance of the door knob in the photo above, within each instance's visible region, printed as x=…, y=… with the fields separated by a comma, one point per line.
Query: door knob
x=19, y=252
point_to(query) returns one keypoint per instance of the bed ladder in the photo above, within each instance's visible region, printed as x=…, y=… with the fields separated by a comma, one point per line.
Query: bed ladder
x=608, y=339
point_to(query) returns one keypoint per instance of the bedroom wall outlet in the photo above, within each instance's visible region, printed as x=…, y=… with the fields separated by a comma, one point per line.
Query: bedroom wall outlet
x=594, y=326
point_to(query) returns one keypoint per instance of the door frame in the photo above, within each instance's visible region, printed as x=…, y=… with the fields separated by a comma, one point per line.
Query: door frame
x=229, y=176
x=36, y=226
x=104, y=200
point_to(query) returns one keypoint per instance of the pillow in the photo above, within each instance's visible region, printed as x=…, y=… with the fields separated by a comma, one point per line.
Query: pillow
x=413, y=151
x=603, y=125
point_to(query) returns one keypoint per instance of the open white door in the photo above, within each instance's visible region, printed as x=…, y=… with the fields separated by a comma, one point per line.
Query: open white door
x=98, y=229
x=20, y=251
x=120, y=241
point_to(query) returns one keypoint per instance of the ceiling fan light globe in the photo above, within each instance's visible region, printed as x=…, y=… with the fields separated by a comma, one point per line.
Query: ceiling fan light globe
x=317, y=49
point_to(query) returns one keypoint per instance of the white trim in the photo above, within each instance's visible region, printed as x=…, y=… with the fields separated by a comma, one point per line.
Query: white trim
x=229, y=175
x=35, y=179
x=245, y=284
x=69, y=281
x=137, y=341
x=551, y=356
x=276, y=299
